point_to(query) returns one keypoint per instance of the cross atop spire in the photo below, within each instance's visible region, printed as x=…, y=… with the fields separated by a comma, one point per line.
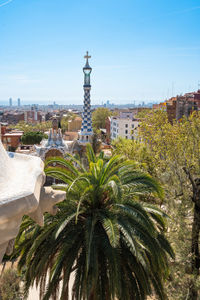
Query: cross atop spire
x=87, y=56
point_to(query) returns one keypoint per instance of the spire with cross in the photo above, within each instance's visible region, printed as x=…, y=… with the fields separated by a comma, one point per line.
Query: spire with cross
x=86, y=129
x=87, y=63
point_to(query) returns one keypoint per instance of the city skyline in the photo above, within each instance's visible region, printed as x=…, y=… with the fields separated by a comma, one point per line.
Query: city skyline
x=140, y=51
x=23, y=102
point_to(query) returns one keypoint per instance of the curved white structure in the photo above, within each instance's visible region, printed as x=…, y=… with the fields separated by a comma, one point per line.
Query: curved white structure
x=22, y=193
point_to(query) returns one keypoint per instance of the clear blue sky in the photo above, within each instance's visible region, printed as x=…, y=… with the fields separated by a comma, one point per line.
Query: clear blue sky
x=141, y=49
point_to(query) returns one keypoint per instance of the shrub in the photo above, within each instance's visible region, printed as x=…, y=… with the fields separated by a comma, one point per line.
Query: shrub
x=32, y=137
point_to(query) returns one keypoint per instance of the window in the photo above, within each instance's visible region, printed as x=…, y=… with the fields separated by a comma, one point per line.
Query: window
x=126, y=131
x=126, y=125
x=132, y=125
x=8, y=140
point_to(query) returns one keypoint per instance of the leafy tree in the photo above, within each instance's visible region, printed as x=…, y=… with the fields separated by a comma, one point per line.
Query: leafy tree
x=104, y=236
x=96, y=143
x=143, y=113
x=43, y=126
x=136, y=151
x=32, y=137
x=64, y=124
x=175, y=150
x=23, y=126
x=99, y=117
x=65, y=120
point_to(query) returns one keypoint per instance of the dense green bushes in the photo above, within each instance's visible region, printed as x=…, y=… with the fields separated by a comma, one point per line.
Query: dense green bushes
x=32, y=137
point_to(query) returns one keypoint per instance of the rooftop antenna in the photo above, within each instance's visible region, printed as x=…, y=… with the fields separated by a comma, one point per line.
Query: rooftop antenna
x=168, y=93
x=199, y=85
x=172, y=88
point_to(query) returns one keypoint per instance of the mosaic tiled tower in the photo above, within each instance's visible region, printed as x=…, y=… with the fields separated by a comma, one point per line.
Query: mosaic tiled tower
x=86, y=128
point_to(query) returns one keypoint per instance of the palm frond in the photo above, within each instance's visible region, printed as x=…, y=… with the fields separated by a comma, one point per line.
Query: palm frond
x=90, y=154
x=59, y=173
x=62, y=162
x=104, y=235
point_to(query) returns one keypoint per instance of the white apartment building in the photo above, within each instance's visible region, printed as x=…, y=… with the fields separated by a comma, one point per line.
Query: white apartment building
x=125, y=126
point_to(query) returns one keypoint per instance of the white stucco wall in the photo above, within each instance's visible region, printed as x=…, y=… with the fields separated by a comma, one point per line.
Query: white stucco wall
x=124, y=127
x=22, y=193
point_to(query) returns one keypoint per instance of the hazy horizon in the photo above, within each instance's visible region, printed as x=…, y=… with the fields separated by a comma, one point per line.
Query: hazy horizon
x=63, y=102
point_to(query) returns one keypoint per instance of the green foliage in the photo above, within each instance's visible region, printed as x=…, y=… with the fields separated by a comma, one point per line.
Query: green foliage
x=136, y=151
x=99, y=117
x=10, y=285
x=174, y=149
x=44, y=126
x=111, y=241
x=45, y=136
x=32, y=137
x=96, y=143
x=175, y=152
x=65, y=121
x=143, y=113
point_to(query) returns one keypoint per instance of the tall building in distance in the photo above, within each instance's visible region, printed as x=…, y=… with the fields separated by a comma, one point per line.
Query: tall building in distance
x=18, y=102
x=86, y=128
x=10, y=102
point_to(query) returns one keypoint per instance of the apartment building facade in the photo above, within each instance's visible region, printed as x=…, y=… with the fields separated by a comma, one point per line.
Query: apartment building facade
x=125, y=126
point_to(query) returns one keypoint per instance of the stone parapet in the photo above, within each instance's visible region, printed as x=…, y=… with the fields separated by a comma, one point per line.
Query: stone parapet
x=22, y=193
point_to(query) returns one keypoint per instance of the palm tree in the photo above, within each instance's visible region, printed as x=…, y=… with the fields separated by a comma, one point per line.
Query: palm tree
x=104, y=240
